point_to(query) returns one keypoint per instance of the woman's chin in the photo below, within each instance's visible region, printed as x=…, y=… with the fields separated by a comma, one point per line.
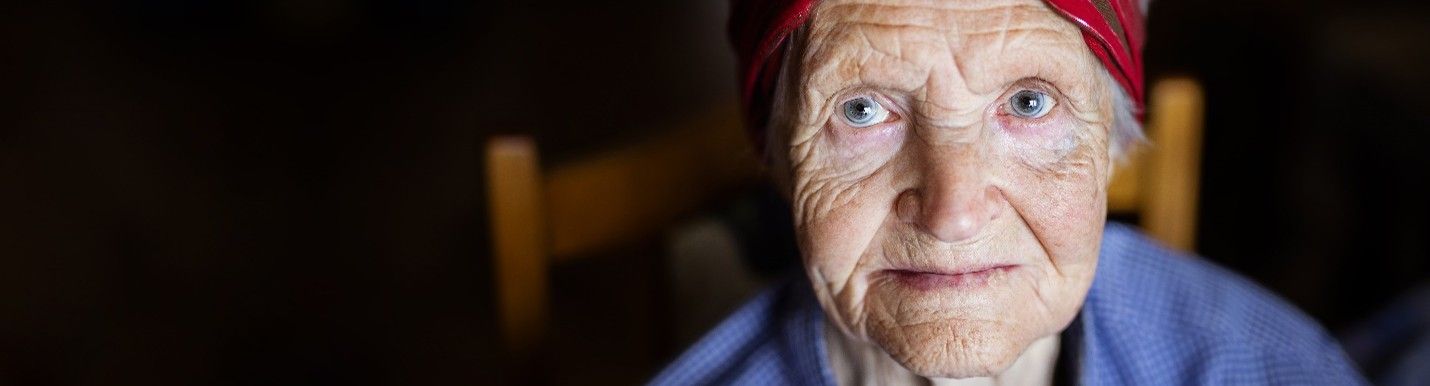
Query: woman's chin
x=955, y=349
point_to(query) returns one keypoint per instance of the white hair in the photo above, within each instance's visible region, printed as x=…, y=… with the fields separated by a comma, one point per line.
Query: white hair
x=1126, y=131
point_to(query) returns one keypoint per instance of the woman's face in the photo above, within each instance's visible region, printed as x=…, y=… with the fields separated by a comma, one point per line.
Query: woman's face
x=947, y=163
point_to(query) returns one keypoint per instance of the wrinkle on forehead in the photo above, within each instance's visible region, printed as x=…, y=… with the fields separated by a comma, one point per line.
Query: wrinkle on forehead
x=967, y=16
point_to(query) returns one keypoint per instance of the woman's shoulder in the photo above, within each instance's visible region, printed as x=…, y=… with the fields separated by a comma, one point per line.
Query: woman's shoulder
x=772, y=339
x=1183, y=315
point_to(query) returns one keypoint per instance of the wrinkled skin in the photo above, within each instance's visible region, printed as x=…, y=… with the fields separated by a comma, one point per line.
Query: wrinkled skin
x=955, y=233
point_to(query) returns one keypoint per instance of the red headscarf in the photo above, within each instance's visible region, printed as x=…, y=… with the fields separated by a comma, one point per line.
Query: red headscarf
x=1113, y=30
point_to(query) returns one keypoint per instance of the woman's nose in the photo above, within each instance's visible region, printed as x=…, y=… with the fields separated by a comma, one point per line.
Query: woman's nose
x=954, y=201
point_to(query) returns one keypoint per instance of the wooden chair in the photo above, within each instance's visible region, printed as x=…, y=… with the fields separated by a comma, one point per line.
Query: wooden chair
x=542, y=217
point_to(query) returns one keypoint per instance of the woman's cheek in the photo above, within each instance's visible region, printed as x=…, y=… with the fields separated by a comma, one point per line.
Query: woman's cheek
x=1053, y=168
x=842, y=185
x=1056, y=179
x=841, y=166
x=1037, y=142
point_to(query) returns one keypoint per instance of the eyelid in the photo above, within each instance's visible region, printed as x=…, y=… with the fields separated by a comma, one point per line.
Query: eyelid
x=1036, y=84
x=876, y=96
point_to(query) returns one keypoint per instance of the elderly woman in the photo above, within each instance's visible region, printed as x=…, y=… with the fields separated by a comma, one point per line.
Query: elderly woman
x=947, y=163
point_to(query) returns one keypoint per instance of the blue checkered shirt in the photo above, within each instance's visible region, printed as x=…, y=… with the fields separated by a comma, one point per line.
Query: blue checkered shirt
x=1152, y=317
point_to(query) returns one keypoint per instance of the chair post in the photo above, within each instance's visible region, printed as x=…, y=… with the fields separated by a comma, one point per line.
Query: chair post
x=518, y=241
x=1174, y=169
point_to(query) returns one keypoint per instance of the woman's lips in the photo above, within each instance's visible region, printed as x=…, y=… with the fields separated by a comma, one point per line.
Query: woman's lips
x=931, y=280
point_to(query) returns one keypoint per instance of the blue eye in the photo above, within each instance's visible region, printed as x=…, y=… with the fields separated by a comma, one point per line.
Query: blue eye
x=864, y=111
x=1030, y=104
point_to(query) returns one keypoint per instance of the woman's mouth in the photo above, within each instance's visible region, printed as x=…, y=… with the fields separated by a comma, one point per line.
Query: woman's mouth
x=967, y=278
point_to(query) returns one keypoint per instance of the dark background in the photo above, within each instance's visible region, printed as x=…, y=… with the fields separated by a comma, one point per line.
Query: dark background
x=289, y=192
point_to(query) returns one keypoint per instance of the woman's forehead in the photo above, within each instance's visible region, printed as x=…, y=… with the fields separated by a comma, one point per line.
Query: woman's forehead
x=973, y=16
x=903, y=40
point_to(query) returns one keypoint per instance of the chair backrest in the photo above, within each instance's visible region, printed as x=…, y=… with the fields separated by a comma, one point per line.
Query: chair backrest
x=542, y=217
